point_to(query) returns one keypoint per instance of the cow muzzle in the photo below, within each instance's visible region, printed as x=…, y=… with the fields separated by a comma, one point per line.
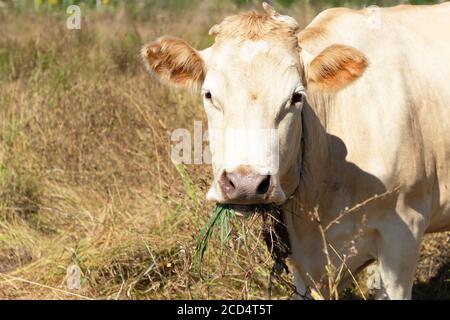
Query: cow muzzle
x=244, y=185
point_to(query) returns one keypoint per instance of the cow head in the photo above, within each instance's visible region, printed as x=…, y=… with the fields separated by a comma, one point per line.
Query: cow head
x=254, y=82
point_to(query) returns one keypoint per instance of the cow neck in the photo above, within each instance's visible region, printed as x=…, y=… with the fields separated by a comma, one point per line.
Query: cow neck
x=314, y=154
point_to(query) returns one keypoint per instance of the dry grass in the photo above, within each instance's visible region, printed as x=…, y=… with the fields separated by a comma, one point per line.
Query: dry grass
x=85, y=173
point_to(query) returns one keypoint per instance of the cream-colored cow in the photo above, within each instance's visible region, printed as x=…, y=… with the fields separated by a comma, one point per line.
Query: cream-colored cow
x=376, y=120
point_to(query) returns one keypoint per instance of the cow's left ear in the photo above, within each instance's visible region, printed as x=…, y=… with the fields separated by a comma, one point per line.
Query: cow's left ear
x=335, y=67
x=174, y=62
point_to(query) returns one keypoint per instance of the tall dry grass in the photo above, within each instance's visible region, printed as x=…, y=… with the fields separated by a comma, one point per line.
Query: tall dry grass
x=85, y=173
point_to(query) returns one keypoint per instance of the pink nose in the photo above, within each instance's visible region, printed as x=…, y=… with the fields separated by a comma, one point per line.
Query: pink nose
x=245, y=186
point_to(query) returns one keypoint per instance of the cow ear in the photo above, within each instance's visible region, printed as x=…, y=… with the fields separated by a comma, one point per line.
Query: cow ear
x=174, y=62
x=336, y=67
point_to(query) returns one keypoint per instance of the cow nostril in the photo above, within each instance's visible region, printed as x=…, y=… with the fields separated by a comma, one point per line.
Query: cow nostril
x=264, y=186
x=226, y=184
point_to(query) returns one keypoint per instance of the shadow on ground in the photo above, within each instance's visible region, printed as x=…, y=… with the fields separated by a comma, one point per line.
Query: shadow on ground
x=433, y=271
x=437, y=287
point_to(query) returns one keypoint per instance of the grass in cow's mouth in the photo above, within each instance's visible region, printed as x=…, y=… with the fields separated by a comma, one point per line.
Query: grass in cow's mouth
x=222, y=216
x=274, y=231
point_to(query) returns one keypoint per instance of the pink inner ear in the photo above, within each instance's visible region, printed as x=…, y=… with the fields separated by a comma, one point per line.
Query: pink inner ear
x=154, y=47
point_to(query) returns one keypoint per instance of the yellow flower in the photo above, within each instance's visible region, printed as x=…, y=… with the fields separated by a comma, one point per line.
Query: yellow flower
x=52, y=2
x=105, y=2
x=37, y=3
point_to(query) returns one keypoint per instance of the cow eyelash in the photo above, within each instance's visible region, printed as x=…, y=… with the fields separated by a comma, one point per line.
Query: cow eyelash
x=207, y=95
x=297, y=97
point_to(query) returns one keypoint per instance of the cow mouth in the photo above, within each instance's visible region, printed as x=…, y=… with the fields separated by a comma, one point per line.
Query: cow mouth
x=247, y=210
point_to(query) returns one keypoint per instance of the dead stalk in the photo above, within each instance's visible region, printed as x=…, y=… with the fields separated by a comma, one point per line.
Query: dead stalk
x=333, y=277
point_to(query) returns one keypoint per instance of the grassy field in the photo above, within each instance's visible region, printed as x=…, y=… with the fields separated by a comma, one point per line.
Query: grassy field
x=85, y=173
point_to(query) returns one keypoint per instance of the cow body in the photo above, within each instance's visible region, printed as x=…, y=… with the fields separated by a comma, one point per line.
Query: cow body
x=387, y=133
x=363, y=161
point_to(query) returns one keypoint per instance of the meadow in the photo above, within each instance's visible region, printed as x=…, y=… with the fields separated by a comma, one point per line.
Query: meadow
x=86, y=178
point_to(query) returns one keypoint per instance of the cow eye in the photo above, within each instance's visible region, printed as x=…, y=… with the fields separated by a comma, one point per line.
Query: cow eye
x=297, y=97
x=208, y=95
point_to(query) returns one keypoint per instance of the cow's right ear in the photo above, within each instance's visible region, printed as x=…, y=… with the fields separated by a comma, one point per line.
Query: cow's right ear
x=174, y=62
x=336, y=67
